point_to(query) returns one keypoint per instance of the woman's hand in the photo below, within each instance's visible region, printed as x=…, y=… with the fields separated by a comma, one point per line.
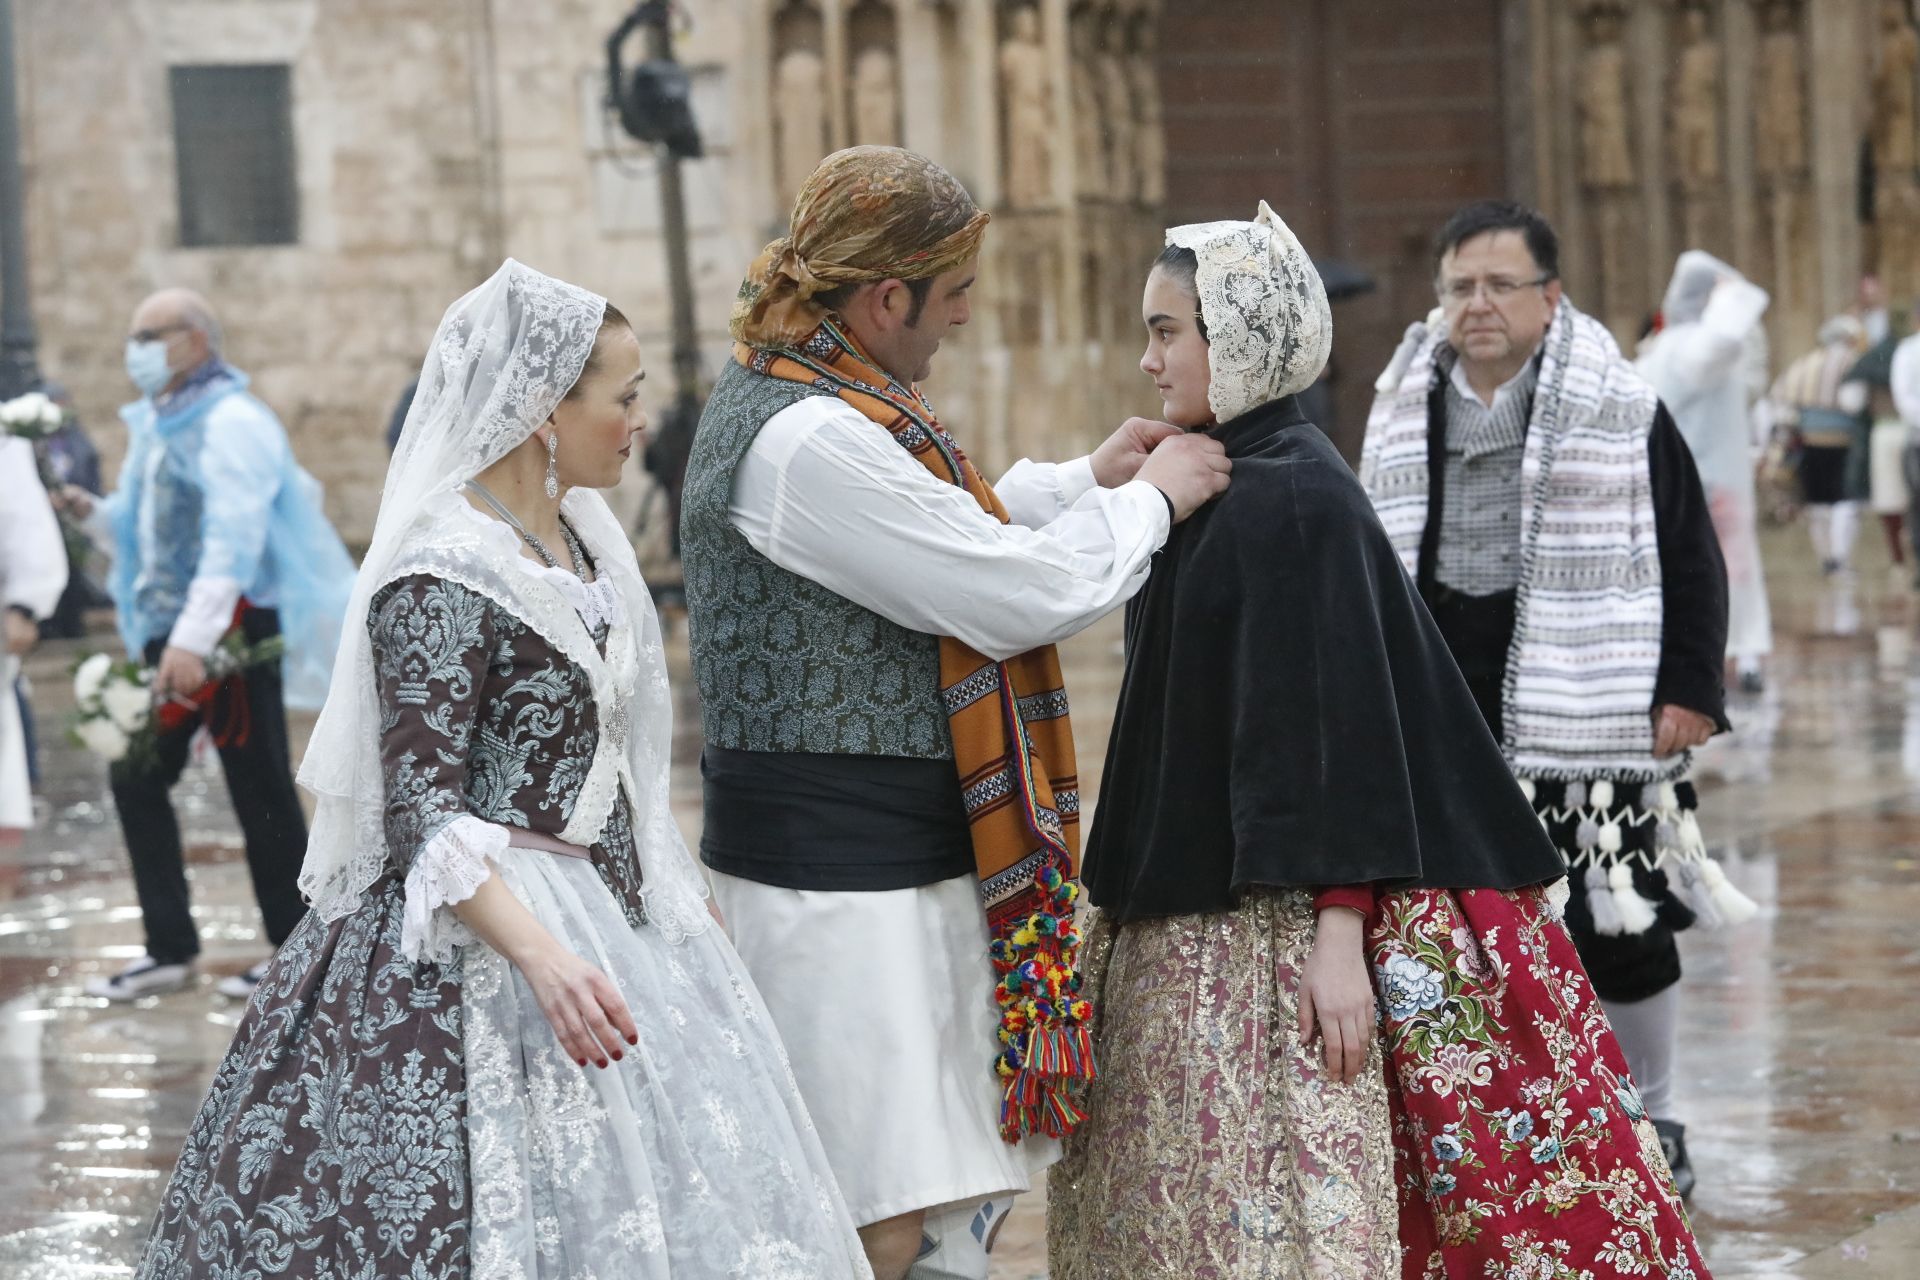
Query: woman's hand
x=582, y=1003
x=1336, y=993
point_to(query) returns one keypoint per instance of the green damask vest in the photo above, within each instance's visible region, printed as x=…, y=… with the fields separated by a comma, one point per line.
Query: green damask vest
x=783, y=663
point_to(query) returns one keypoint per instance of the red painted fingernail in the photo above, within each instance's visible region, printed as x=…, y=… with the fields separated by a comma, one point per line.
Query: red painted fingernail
x=633, y=1039
x=616, y=1055
x=603, y=1064
x=581, y=1061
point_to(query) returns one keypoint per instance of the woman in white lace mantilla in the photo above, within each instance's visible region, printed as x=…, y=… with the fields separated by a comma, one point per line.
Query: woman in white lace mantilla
x=506, y=1042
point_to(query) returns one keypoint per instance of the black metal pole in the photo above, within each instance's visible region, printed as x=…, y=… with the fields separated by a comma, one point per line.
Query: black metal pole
x=673, y=223
x=19, y=371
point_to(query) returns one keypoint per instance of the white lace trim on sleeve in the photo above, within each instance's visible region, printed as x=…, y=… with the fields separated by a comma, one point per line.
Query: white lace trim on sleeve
x=449, y=869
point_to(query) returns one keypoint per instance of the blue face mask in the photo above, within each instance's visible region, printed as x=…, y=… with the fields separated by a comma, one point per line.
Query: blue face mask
x=147, y=366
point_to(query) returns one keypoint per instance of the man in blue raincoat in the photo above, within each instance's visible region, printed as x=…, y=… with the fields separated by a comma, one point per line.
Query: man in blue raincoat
x=214, y=529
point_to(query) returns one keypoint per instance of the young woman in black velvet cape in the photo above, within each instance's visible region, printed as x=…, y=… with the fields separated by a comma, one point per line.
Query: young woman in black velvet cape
x=1342, y=1032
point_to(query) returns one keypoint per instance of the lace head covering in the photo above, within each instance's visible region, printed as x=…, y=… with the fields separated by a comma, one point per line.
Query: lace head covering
x=1269, y=328
x=1695, y=276
x=866, y=214
x=503, y=358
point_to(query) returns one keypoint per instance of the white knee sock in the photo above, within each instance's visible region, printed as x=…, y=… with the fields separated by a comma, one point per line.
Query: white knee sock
x=1648, y=1030
x=1820, y=530
x=1846, y=527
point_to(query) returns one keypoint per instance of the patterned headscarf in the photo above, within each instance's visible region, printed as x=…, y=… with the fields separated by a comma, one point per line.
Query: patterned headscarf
x=1269, y=328
x=866, y=214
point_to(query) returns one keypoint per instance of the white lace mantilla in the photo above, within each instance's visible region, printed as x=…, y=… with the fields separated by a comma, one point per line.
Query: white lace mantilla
x=503, y=358
x=596, y=602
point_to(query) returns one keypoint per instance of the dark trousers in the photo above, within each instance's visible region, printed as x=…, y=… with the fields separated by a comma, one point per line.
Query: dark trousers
x=259, y=775
x=1479, y=630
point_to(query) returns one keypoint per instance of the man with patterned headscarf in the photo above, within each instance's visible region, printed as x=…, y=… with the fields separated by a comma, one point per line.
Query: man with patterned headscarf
x=891, y=799
x=1826, y=414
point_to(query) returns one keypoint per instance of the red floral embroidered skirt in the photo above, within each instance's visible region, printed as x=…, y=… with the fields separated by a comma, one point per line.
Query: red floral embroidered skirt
x=1520, y=1145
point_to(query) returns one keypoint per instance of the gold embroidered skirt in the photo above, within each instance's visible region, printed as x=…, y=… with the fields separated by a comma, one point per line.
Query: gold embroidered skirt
x=1215, y=1147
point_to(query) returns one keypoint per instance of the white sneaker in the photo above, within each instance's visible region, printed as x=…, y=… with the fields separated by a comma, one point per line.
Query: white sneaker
x=144, y=977
x=240, y=985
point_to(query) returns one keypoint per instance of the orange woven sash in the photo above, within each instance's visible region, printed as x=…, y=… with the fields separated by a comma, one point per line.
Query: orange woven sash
x=1013, y=747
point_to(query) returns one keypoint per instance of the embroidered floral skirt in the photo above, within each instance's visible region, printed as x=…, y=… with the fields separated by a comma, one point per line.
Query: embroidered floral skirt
x=1520, y=1145
x=1215, y=1147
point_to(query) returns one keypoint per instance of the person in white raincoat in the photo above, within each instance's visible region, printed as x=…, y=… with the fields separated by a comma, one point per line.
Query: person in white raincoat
x=33, y=573
x=1703, y=365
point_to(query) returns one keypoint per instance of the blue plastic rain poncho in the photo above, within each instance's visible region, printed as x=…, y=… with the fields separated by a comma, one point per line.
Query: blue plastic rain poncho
x=211, y=508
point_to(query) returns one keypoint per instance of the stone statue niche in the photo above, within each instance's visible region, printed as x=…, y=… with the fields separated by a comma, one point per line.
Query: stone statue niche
x=1780, y=95
x=1606, y=141
x=1116, y=107
x=1896, y=203
x=1026, y=91
x=1606, y=159
x=1693, y=102
x=1693, y=124
x=874, y=94
x=1893, y=89
x=801, y=119
x=1149, y=124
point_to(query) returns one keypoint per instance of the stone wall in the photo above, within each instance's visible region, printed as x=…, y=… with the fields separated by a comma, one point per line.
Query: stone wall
x=392, y=201
x=1760, y=71
x=434, y=137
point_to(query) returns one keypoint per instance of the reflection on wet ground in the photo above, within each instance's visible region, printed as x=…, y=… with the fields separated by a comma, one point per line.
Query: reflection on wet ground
x=1800, y=1065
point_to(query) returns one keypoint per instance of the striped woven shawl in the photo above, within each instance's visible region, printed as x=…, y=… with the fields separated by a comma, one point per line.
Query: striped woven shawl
x=1586, y=645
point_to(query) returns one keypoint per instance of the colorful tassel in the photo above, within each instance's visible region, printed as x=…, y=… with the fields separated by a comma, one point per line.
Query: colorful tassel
x=1043, y=1021
x=1636, y=913
x=1606, y=916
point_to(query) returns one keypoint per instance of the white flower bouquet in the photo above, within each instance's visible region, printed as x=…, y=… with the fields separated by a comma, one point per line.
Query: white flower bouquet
x=33, y=416
x=115, y=715
x=113, y=705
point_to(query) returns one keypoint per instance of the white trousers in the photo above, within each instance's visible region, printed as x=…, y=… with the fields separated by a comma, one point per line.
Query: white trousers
x=885, y=1003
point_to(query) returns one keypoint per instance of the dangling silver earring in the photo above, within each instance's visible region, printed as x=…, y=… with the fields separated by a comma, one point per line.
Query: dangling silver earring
x=553, y=467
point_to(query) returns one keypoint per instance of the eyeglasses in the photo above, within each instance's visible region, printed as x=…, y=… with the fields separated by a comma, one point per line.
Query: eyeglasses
x=1458, y=293
x=154, y=335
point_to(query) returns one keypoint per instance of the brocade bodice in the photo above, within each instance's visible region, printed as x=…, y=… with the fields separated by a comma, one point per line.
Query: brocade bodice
x=482, y=716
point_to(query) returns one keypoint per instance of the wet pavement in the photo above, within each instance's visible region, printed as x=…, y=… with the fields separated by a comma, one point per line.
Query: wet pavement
x=1799, y=1072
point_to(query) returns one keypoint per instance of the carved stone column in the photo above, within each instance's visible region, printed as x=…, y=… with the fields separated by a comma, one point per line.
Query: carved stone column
x=1780, y=165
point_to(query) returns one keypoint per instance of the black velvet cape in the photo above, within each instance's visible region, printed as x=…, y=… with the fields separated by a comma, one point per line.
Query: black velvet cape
x=1290, y=715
